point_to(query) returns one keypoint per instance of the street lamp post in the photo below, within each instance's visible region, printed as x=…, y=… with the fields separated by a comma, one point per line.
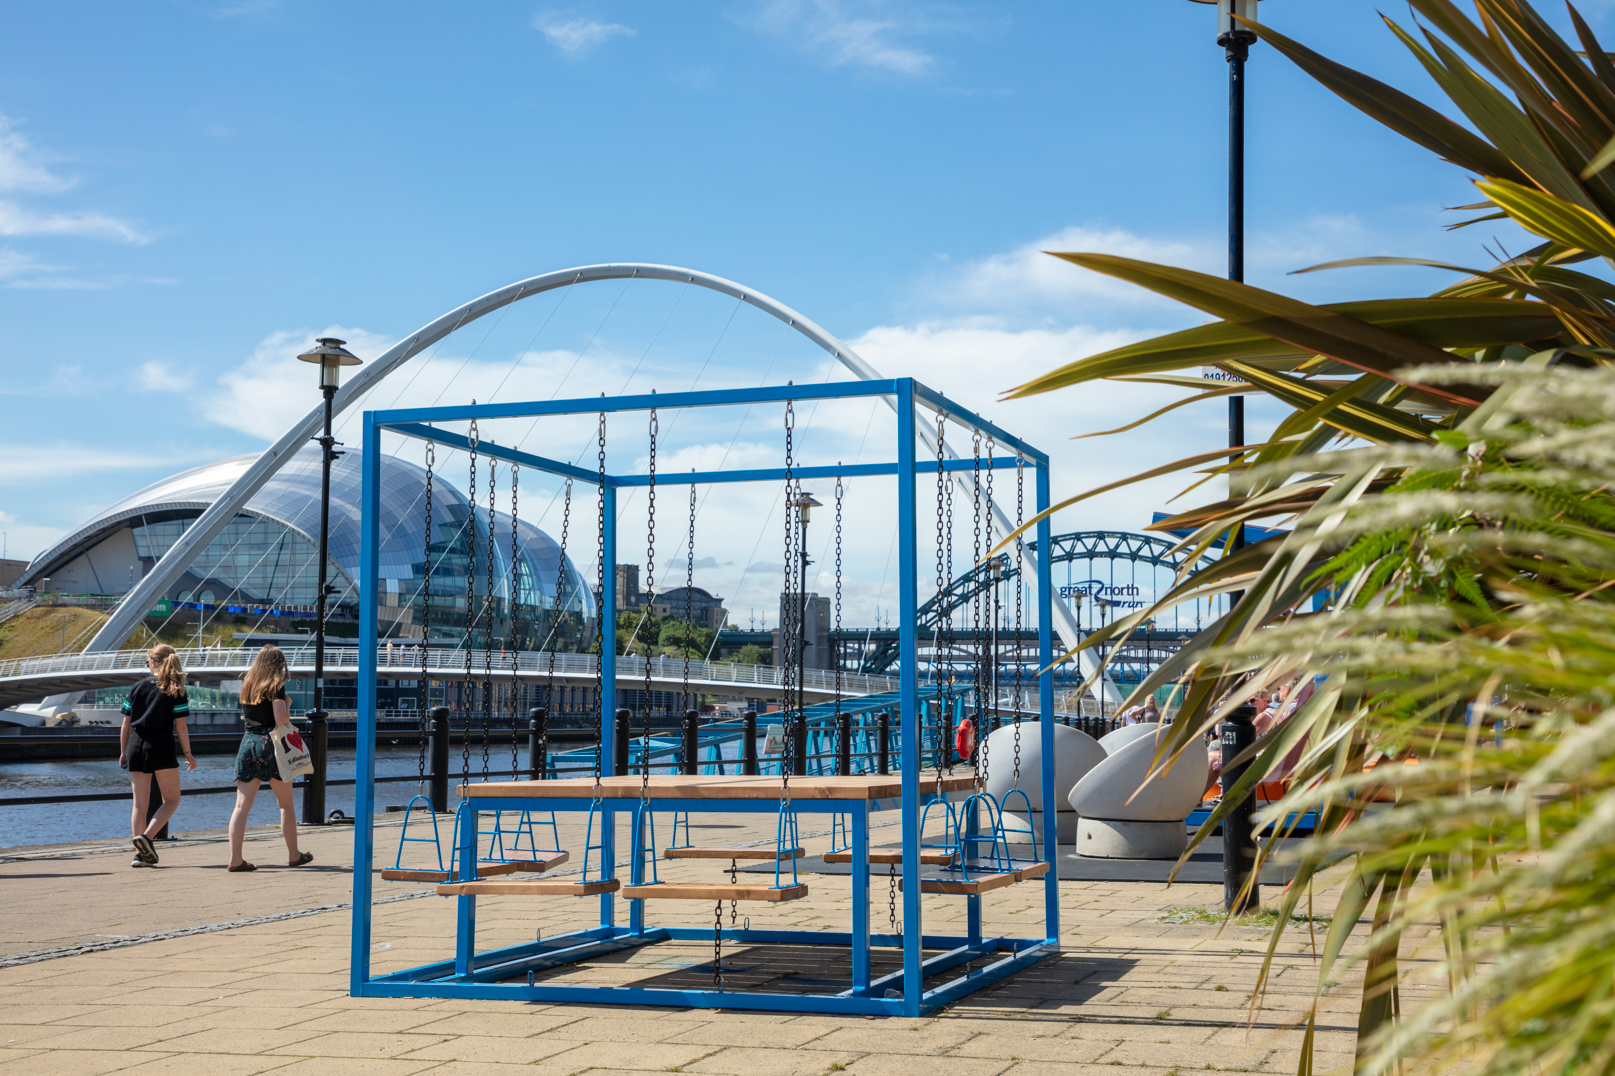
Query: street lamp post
x=804, y=503
x=1236, y=41
x=331, y=356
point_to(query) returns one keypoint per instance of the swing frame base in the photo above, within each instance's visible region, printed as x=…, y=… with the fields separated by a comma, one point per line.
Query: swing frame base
x=489, y=973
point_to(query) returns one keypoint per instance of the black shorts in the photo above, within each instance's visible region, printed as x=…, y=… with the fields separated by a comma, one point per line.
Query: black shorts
x=149, y=756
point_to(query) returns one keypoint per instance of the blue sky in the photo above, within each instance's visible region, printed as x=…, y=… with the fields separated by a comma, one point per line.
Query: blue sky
x=190, y=190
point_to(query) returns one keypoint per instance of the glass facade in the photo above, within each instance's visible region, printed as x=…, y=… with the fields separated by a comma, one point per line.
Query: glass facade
x=265, y=559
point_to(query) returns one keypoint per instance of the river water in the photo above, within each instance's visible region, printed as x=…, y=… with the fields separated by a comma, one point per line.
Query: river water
x=64, y=823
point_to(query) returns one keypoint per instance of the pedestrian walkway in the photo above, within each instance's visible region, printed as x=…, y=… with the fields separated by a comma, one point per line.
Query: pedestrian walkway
x=208, y=972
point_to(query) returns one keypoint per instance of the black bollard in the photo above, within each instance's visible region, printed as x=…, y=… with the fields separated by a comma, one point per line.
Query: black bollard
x=1238, y=832
x=748, y=744
x=439, y=718
x=883, y=742
x=692, y=742
x=844, y=744
x=619, y=757
x=154, y=800
x=314, y=783
x=799, y=751
x=538, y=763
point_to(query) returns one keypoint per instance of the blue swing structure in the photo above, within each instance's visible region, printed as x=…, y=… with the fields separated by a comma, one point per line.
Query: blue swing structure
x=933, y=968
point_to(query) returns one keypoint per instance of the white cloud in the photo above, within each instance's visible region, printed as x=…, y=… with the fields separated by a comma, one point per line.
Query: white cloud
x=28, y=463
x=25, y=541
x=850, y=34
x=578, y=36
x=158, y=376
x=16, y=220
x=22, y=167
x=269, y=391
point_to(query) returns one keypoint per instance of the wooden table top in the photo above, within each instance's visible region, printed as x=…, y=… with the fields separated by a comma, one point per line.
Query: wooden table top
x=715, y=787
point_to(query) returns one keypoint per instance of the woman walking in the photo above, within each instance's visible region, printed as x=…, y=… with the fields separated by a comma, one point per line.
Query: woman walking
x=154, y=711
x=263, y=708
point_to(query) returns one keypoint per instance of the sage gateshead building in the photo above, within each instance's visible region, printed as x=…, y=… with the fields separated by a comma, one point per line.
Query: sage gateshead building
x=260, y=575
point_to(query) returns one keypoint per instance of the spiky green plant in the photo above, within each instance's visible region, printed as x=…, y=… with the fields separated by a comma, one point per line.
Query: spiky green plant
x=1445, y=476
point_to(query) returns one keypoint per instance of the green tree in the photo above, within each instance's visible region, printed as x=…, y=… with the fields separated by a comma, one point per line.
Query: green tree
x=637, y=630
x=678, y=637
x=1444, y=475
x=752, y=654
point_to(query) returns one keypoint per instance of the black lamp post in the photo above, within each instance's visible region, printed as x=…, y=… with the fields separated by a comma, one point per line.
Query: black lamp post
x=804, y=502
x=1236, y=41
x=331, y=356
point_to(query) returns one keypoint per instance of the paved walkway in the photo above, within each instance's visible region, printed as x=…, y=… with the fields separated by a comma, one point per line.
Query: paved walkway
x=1129, y=994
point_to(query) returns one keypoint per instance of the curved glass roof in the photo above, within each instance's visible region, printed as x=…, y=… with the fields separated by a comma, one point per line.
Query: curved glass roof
x=292, y=498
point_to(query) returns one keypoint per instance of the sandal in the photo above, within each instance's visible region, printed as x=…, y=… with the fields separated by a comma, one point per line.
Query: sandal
x=306, y=857
x=242, y=866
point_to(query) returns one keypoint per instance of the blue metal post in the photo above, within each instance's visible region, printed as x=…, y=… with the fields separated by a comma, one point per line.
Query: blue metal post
x=860, y=899
x=364, y=839
x=908, y=585
x=1045, y=706
x=465, y=932
x=608, y=699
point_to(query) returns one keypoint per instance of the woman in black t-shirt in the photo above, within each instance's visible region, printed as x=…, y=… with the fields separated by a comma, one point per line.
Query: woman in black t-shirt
x=154, y=711
x=263, y=709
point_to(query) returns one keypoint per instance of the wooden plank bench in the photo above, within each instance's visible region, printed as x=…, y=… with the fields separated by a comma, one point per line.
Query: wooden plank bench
x=689, y=852
x=552, y=887
x=543, y=862
x=713, y=891
x=893, y=853
x=981, y=883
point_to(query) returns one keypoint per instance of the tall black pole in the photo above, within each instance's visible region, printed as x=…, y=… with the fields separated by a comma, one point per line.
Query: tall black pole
x=314, y=784
x=1236, y=47
x=799, y=767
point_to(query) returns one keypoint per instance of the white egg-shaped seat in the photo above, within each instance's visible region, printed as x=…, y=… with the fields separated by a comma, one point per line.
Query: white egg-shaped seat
x=1075, y=754
x=1117, y=739
x=1124, y=816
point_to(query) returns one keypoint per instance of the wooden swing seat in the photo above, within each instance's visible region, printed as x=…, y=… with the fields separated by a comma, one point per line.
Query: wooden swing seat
x=714, y=891
x=543, y=862
x=981, y=883
x=893, y=853
x=765, y=853
x=540, y=888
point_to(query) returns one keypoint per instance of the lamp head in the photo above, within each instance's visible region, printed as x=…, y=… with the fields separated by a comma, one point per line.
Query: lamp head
x=806, y=502
x=1228, y=30
x=331, y=356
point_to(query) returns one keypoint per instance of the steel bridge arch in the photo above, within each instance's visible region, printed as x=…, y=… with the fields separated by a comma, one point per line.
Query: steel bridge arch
x=1078, y=545
x=216, y=517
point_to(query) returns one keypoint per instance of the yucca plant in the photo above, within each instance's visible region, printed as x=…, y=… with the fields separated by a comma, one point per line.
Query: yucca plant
x=1445, y=475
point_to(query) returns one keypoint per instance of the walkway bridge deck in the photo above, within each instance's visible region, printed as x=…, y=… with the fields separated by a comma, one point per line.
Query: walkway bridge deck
x=24, y=680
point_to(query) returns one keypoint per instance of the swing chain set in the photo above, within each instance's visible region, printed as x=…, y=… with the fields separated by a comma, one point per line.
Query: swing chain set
x=426, y=618
x=650, y=593
x=466, y=684
x=604, y=626
x=512, y=639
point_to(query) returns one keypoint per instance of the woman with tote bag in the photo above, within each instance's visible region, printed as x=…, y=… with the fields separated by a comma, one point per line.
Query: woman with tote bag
x=267, y=714
x=152, y=714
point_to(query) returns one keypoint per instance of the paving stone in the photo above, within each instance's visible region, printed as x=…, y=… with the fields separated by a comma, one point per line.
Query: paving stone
x=514, y=1051
x=627, y=1055
x=208, y=1065
x=66, y=1063
x=742, y=1061
x=912, y=1065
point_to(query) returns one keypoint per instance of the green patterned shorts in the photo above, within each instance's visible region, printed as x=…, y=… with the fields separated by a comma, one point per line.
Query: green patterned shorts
x=256, y=759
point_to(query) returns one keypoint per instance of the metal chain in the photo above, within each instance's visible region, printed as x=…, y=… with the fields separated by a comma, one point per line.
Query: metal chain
x=989, y=642
x=650, y=594
x=943, y=645
x=789, y=660
x=512, y=641
x=426, y=614
x=891, y=895
x=717, y=946
x=550, y=709
x=467, y=685
x=689, y=604
x=605, y=626
x=836, y=652
x=976, y=605
x=487, y=634
x=1020, y=564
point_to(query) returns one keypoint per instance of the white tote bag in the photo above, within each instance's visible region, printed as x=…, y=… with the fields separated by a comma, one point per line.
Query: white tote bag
x=291, y=753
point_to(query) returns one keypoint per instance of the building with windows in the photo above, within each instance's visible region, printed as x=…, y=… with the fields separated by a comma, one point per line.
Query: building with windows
x=260, y=574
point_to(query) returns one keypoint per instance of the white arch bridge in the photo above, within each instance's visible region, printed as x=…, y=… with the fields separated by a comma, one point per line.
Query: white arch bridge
x=26, y=679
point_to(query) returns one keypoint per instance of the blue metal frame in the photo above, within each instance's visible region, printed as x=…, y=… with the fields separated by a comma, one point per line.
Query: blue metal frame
x=470, y=974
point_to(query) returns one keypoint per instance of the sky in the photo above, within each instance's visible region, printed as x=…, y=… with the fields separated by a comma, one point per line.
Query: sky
x=191, y=191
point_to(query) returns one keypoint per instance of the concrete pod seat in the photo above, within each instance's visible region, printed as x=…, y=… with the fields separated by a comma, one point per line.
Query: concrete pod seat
x=1124, y=817
x=1117, y=739
x=1075, y=754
